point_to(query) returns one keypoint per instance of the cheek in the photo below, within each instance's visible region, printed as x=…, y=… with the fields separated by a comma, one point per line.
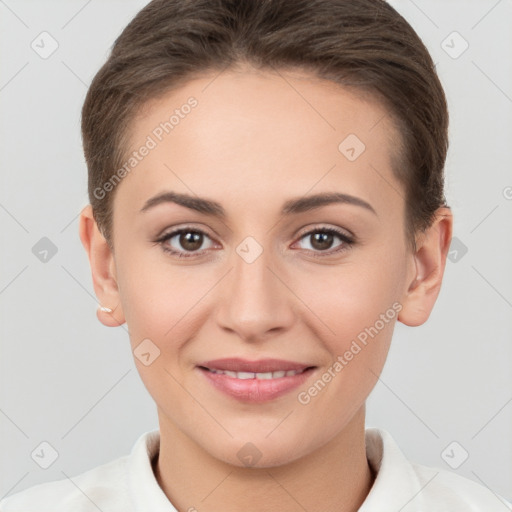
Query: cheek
x=355, y=309
x=149, y=291
x=358, y=309
x=162, y=303
x=354, y=297
x=158, y=305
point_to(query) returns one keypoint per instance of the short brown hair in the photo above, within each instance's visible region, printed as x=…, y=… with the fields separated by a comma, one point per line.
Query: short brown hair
x=361, y=44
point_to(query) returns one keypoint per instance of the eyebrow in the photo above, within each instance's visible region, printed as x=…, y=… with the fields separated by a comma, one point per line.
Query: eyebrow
x=290, y=207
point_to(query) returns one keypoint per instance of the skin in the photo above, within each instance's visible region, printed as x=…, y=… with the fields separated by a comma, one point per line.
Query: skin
x=255, y=140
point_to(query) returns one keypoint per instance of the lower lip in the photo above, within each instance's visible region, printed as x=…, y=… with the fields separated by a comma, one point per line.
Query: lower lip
x=256, y=390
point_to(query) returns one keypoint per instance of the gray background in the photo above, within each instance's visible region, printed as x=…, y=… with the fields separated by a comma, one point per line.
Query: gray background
x=68, y=380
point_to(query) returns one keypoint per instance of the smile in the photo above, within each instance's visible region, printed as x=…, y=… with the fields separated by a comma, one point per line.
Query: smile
x=264, y=376
x=255, y=381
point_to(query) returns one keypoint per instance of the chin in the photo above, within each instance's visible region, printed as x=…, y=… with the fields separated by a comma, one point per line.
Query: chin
x=259, y=451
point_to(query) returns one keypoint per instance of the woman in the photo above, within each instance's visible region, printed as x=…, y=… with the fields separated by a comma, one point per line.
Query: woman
x=266, y=188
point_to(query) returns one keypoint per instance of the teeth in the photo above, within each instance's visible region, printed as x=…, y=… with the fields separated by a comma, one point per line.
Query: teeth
x=244, y=375
x=266, y=375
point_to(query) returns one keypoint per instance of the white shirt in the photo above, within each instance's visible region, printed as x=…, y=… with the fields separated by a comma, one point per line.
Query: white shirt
x=128, y=484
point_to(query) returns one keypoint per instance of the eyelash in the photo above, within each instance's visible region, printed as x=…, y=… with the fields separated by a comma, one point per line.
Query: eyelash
x=347, y=242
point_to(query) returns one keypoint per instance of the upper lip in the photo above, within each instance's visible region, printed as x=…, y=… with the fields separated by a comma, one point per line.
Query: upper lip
x=236, y=364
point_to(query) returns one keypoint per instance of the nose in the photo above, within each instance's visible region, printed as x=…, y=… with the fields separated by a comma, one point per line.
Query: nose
x=257, y=301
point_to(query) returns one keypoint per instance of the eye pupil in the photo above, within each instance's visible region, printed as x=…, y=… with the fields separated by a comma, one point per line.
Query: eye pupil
x=189, y=240
x=322, y=240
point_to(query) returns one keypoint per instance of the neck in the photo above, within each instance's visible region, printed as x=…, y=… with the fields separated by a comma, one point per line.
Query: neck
x=335, y=477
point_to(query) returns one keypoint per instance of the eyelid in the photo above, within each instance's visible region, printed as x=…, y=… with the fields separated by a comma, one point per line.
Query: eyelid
x=322, y=227
x=174, y=230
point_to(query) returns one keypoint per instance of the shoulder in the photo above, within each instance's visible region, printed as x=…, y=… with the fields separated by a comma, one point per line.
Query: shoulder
x=410, y=487
x=101, y=488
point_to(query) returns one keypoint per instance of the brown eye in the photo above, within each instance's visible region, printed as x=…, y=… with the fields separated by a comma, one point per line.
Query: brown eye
x=185, y=242
x=323, y=240
x=191, y=240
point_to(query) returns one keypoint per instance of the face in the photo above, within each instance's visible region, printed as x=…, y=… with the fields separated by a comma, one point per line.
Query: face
x=266, y=273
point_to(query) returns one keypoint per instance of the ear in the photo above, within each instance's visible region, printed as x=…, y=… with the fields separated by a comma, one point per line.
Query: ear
x=103, y=269
x=429, y=261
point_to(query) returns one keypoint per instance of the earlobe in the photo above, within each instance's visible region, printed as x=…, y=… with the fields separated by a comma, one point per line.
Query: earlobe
x=430, y=261
x=103, y=272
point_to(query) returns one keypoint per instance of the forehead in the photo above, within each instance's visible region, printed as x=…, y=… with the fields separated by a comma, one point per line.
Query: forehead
x=247, y=134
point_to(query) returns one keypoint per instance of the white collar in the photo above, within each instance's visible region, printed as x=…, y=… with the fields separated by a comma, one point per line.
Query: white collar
x=396, y=481
x=399, y=483
x=142, y=483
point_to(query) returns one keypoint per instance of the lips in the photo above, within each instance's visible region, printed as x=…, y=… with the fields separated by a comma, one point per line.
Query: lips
x=255, y=381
